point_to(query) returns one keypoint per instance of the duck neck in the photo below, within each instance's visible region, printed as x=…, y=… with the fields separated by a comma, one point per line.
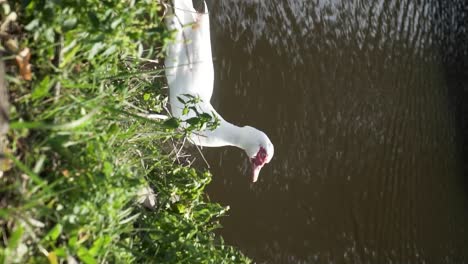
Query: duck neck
x=233, y=135
x=226, y=134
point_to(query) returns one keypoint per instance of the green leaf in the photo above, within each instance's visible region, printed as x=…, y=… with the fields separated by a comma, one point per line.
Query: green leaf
x=42, y=89
x=181, y=208
x=70, y=23
x=109, y=51
x=141, y=49
x=147, y=96
x=116, y=23
x=172, y=123
x=61, y=252
x=73, y=241
x=50, y=35
x=32, y=25
x=15, y=238
x=193, y=121
x=4, y=213
x=107, y=168
x=95, y=49
x=97, y=246
x=54, y=233
x=113, y=129
x=190, y=96
x=34, y=177
x=180, y=100
x=129, y=219
x=93, y=19
x=205, y=116
x=85, y=256
x=70, y=54
x=193, y=108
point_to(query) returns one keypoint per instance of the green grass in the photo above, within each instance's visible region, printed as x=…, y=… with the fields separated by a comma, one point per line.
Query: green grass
x=79, y=156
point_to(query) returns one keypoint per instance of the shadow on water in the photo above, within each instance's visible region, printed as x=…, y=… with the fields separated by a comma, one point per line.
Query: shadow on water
x=454, y=51
x=366, y=103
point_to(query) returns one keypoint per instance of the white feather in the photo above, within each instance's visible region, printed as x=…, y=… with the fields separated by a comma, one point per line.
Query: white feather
x=189, y=70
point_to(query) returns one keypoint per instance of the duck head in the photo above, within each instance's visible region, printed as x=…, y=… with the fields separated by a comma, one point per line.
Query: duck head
x=260, y=151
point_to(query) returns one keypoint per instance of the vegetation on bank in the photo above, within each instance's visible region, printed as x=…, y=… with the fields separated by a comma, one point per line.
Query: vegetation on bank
x=84, y=177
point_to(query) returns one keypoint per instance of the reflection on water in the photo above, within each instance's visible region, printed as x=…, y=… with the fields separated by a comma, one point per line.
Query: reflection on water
x=365, y=103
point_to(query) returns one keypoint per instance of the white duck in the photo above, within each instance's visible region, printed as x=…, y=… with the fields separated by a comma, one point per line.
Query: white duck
x=189, y=70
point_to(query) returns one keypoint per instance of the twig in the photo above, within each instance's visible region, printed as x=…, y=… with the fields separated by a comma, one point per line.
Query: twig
x=203, y=157
x=4, y=35
x=174, y=148
x=10, y=18
x=181, y=147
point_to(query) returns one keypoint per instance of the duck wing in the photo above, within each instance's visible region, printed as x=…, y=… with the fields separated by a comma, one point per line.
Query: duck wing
x=189, y=62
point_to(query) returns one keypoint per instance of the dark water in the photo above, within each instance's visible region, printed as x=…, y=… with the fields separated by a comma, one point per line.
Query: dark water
x=366, y=103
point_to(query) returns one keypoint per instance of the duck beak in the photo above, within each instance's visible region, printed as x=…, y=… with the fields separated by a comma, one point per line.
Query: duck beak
x=255, y=172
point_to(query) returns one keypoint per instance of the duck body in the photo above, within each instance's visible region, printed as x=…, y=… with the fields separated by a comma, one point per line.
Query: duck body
x=189, y=71
x=189, y=62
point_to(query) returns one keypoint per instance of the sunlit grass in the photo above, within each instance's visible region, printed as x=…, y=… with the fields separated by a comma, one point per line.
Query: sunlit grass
x=87, y=178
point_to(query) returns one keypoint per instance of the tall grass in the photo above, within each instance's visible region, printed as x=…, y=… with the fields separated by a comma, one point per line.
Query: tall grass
x=88, y=179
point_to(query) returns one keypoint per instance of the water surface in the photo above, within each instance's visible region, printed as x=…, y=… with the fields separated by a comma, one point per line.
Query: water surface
x=366, y=104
